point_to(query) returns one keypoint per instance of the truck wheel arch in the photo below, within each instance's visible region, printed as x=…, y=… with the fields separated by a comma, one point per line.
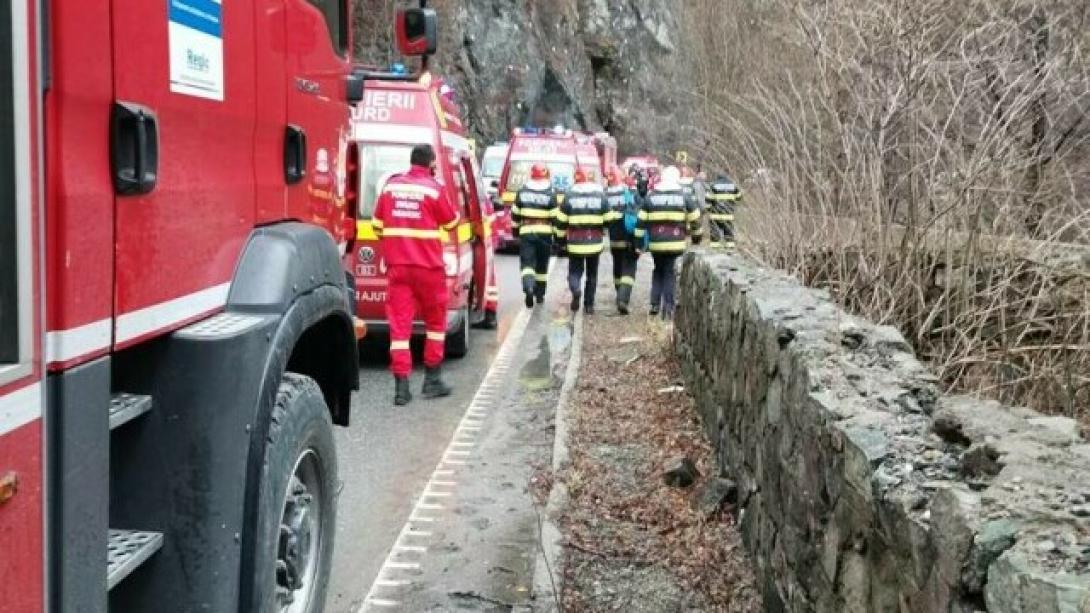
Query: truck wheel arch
x=294, y=270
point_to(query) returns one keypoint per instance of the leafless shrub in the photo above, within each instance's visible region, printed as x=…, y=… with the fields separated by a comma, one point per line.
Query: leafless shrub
x=928, y=161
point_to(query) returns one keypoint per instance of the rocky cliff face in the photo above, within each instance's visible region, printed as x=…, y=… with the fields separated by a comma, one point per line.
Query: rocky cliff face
x=617, y=65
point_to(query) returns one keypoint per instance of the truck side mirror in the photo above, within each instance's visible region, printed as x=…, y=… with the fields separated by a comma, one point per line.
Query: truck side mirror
x=354, y=88
x=417, y=31
x=495, y=184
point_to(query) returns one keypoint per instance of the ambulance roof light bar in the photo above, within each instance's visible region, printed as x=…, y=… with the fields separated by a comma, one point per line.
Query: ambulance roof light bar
x=532, y=131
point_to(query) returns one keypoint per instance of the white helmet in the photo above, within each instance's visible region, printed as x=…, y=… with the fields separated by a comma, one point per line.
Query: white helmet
x=670, y=177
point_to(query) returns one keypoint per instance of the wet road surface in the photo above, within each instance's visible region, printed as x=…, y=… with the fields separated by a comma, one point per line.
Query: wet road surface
x=389, y=453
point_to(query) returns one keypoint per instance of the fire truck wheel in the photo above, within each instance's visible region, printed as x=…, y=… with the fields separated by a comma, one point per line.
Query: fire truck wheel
x=458, y=343
x=296, y=516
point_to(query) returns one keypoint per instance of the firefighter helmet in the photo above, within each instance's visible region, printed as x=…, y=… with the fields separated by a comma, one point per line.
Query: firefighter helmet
x=581, y=176
x=539, y=172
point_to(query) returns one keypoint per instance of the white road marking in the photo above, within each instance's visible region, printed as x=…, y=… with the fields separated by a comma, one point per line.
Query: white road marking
x=494, y=380
x=393, y=582
x=412, y=548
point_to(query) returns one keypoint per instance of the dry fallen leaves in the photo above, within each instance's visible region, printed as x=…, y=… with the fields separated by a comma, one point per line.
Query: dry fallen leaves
x=626, y=420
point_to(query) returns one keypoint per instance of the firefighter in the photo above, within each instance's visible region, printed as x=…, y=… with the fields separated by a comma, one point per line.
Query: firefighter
x=622, y=244
x=581, y=225
x=411, y=215
x=533, y=215
x=722, y=197
x=667, y=217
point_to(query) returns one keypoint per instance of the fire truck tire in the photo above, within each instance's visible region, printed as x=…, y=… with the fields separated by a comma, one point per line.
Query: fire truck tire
x=458, y=343
x=296, y=515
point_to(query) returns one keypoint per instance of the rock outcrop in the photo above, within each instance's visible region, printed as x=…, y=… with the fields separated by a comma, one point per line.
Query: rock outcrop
x=617, y=65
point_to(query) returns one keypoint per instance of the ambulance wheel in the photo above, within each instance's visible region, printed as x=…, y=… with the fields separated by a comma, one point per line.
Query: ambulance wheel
x=296, y=513
x=458, y=343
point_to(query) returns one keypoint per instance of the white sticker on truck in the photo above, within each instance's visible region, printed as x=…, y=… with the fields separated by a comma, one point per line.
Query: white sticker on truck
x=196, y=47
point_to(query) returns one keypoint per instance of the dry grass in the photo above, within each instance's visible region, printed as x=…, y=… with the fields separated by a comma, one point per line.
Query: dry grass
x=927, y=162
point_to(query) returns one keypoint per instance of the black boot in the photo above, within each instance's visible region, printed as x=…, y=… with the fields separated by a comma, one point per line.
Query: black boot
x=575, y=299
x=540, y=298
x=488, y=323
x=529, y=300
x=589, y=309
x=402, y=395
x=434, y=387
x=622, y=299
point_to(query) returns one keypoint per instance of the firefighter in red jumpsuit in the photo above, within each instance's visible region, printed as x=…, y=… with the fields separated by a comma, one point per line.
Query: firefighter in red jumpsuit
x=411, y=215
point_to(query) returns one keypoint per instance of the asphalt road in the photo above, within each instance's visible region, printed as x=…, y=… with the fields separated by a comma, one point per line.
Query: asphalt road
x=388, y=454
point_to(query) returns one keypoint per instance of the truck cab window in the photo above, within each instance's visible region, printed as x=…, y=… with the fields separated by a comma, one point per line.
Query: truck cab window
x=336, y=20
x=9, y=264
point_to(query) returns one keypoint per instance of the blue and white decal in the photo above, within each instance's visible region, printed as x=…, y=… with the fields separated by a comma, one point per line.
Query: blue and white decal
x=196, y=47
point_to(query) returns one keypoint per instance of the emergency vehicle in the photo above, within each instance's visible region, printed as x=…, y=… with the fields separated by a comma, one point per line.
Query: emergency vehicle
x=176, y=335
x=491, y=168
x=587, y=158
x=393, y=117
x=555, y=148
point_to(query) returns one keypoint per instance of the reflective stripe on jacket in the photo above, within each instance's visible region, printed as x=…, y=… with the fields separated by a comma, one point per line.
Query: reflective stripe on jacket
x=721, y=198
x=534, y=210
x=666, y=217
x=582, y=219
x=411, y=215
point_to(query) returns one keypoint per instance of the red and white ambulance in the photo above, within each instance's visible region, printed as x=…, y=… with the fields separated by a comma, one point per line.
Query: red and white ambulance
x=555, y=148
x=587, y=158
x=176, y=331
x=393, y=116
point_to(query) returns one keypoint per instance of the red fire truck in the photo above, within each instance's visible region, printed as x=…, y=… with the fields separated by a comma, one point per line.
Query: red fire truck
x=394, y=116
x=176, y=331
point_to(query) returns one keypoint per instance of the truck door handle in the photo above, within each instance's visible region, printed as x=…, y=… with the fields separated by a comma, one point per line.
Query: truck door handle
x=295, y=154
x=134, y=148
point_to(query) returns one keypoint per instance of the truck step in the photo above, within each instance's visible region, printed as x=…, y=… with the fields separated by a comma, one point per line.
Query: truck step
x=126, y=407
x=126, y=551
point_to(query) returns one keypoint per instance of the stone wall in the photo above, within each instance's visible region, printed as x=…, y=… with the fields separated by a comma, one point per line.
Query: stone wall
x=862, y=488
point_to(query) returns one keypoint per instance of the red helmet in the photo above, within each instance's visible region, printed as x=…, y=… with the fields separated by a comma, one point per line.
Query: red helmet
x=581, y=176
x=539, y=172
x=686, y=172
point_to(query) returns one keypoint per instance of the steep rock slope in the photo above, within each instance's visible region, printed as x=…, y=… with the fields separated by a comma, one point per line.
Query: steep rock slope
x=588, y=64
